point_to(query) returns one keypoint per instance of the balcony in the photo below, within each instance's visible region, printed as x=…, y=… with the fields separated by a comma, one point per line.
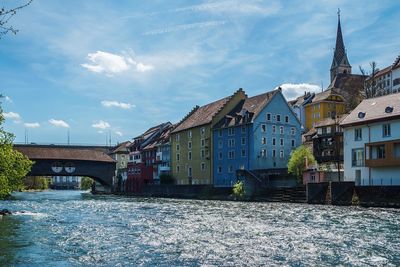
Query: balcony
x=164, y=168
x=158, y=156
x=382, y=154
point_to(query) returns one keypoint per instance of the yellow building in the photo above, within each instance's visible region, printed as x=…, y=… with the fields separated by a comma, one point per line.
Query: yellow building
x=326, y=104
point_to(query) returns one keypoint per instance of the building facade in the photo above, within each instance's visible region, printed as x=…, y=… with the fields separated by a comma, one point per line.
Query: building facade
x=120, y=154
x=298, y=106
x=387, y=80
x=372, y=142
x=66, y=182
x=191, y=141
x=258, y=135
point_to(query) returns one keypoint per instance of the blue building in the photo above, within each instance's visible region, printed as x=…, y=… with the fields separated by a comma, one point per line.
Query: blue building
x=257, y=135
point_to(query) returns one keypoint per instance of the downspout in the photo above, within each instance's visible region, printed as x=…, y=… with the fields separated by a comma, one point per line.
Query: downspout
x=369, y=141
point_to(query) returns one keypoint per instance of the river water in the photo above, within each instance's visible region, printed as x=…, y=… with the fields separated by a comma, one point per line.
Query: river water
x=71, y=228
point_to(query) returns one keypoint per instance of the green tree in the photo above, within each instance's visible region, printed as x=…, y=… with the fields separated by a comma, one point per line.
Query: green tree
x=36, y=183
x=13, y=165
x=297, y=161
x=238, y=190
x=86, y=183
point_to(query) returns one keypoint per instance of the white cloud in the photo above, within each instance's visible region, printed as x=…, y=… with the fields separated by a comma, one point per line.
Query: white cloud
x=12, y=116
x=59, y=123
x=101, y=125
x=109, y=104
x=292, y=91
x=235, y=7
x=110, y=64
x=8, y=99
x=118, y=133
x=32, y=125
x=183, y=27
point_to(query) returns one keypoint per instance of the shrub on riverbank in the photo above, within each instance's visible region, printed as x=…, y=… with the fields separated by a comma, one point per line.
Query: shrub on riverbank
x=86, y=183
x=238, y=190
x=36, y=183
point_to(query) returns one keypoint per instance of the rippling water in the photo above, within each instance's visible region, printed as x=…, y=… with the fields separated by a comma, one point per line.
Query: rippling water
x=70, y=228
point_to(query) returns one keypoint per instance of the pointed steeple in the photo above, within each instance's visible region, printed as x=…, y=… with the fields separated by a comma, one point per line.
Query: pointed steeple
x=340, y=63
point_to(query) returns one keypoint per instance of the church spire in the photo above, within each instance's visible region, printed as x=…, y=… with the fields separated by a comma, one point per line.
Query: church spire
x=340, y=63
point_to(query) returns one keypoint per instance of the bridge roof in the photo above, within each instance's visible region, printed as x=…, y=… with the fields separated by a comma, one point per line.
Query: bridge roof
x=63, y=153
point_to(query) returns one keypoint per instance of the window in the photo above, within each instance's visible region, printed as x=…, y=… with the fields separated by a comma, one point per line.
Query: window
x=287, y=119
x=273, y=141
x=281, y=155
x=219, y=169
x=231, y=142
x=177, y=137
x=281, y=141
x=177, y=168
x=220, y=144
x=281, y=130
x=278, y=117
x=263, y=128
x=219, y=133
x=202, y=142
x=243, y=153
x=386, y=130
x=177, y=157
x=202, y=166
x=230, y=169
x=263, y=153
x=358, y=134
x=357, y=159
x=202, y=131
x=231, y=154
x=273, y=128
x=243, y=130
x=231, y=131
x=328, y=129
x=264, y=140
x=292, y=131
x=189, y=171
x=190, y=134
x=202, y=154
x=243, y=141
x=190, y=145
x=177, y=147
x=293, y=143
x=190, y=155
x=273, y=153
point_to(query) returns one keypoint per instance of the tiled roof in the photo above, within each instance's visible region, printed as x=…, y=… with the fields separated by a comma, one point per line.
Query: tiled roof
x=161, y=139
x=396, y=63
x=330, y=121
x=301, y=99
x=322, y=96
x=374, y=109
x=63, y=153
x=201, y=115
x=121, y=148
x=246, y=110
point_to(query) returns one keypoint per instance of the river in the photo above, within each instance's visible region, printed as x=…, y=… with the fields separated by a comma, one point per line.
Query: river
x=71, y=228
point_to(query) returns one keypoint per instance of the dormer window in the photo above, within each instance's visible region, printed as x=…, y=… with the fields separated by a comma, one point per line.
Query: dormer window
x=361, y=115
x=389, y=109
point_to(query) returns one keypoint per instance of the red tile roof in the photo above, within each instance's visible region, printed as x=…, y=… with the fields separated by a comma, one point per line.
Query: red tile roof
x=201, y=115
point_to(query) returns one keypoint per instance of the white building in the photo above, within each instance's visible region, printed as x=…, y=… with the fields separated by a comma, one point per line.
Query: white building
x=372, y=142
x=387, y=79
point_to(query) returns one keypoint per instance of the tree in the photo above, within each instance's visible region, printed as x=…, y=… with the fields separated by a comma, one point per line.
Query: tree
x=371, y=85
x=13, y=165
x=238, y=190
x=86, y=183
x=5, y=16
x=297, y=161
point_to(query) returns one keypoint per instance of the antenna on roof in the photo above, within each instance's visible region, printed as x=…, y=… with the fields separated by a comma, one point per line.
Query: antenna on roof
x=322, y=86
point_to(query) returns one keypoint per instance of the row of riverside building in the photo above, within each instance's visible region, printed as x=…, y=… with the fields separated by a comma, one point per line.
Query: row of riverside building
x=352, y=138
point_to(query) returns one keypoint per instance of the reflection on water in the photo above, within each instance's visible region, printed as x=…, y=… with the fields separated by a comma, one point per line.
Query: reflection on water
x=68, y=228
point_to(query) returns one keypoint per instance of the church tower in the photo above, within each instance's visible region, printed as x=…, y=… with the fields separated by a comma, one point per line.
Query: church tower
x=340, y=63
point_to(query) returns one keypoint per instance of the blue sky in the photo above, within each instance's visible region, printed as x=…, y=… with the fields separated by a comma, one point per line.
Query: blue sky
x=99, y=67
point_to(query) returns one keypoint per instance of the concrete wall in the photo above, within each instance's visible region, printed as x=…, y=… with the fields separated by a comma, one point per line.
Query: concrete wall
x=316, y=193
x=378, y=196
x=342, y=193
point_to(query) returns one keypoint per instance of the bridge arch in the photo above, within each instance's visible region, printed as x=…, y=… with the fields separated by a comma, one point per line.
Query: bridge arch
x=56, y=160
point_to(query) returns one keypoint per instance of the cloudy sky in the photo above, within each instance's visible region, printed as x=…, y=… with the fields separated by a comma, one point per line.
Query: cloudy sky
x=92, y=68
